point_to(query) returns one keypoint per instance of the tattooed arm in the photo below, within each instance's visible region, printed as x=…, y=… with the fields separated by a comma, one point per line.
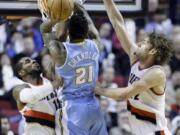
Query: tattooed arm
x=53, y=31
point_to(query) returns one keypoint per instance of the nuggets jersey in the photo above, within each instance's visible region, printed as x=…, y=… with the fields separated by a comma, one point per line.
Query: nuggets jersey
x=146, y=110
x=81, y=113
x=40, y=116
x=80, y=71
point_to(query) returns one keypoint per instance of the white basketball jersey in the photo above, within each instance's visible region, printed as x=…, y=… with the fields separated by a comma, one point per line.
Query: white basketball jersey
x=146, y=110
x=40, y=116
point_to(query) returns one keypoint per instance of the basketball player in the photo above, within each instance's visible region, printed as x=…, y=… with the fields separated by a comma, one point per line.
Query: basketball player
x=145, y=93
x=76, y=62
x=36, y=99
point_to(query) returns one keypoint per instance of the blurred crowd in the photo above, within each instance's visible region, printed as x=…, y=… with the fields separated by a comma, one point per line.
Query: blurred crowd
x=20, y=38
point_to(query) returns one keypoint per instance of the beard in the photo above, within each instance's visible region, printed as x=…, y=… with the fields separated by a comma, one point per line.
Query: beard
x=35, y=73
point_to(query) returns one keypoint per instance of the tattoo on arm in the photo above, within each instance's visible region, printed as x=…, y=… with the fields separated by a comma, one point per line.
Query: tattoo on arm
x=49, y=70
x=58, y=52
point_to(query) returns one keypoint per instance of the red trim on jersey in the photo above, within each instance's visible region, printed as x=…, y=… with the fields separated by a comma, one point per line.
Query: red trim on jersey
x=158, y=94
x=142, y=114
x=40, y=115
x=161, y=132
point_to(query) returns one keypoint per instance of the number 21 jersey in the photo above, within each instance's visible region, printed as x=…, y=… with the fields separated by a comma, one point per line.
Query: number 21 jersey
x=80, y=70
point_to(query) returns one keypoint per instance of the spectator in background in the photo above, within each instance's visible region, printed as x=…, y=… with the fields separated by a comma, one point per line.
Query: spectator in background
x=105, y=35
x=175, y=125
x=175, y=61
x=104, y=105
x=177, y=132
x=175, y=108
x=121, y=59
x=3, y=34
x=159, y=23
x=6, y=71
x=5, y=126
x=173, y=10
x=123, y=127
x=29, y=47
x=176, y=80
x=153, y=5
x=28, y=25
x=107, y=82
x=18, y=44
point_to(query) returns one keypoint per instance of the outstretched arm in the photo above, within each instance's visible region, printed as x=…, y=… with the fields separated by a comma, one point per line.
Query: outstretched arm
x=119, y=27
x=152, y=79
x=93, y=32
x=24, y=94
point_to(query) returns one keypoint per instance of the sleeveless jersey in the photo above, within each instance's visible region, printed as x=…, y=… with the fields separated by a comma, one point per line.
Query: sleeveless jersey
x=42, y=113
x=80, y=71
x=146, y=110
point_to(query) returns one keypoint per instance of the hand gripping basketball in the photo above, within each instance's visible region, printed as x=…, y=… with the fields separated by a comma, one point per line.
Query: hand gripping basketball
x=56, y=10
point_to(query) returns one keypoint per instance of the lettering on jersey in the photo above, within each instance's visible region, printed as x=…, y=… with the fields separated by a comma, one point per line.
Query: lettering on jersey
x=82, y=56
x=133, y=78
x=51, y=96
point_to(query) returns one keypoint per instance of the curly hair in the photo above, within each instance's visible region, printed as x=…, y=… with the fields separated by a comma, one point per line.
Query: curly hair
x=17, y=68
x=163, y=47
x=78, y=26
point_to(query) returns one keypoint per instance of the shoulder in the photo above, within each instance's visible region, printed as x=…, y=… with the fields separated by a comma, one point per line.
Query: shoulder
x=157, y=72
x=17, y=89
x=155, y=76
x=93, y=43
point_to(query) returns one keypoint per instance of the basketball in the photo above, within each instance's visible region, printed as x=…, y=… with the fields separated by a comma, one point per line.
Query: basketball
x=56, y=10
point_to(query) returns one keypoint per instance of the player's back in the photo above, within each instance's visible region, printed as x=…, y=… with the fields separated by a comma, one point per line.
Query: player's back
x=81, y=113
x=80, y=71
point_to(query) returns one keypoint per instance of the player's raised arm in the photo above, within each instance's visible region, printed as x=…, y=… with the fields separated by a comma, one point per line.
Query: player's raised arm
x=118, y=24
x=58, y=52
x=155, y=78
x=25, y=94
x=93, y=32
x=54, y=33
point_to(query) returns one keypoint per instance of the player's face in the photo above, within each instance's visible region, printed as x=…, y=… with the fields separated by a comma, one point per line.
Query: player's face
x=143, y=49
x=29, y=65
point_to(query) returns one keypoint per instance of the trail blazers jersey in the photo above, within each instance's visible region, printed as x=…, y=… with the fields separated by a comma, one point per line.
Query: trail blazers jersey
x=147, y=109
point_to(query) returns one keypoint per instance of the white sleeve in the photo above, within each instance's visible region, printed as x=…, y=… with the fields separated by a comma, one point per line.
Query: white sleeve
x=33, y=95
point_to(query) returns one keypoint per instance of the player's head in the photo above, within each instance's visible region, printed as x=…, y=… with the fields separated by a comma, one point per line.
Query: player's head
x=78, y=26
x=27, y=67
x=155, y=46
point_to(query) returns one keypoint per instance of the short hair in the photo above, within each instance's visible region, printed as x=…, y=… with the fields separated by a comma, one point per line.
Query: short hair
x=78, y=26
x=163, y=47
x=17, y=68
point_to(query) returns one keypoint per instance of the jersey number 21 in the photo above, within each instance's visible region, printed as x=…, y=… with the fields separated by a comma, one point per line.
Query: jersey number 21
x=84, y=75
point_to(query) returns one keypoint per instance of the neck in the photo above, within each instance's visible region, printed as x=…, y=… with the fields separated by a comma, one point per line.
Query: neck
x=146, y=63
x=33, y=80
x=76, y=40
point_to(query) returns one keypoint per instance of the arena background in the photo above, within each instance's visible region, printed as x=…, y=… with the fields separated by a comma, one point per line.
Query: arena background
x=20, y=36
